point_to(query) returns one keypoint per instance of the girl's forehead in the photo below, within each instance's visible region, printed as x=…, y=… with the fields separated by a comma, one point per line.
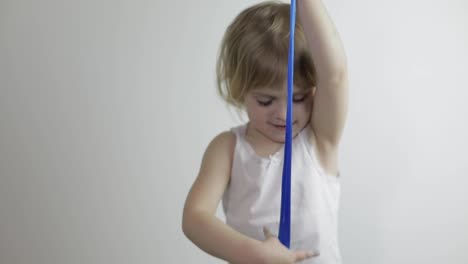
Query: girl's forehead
x=277, y=91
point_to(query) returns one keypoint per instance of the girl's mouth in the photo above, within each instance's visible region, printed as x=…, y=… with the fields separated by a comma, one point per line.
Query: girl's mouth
x=279, y=127
x=282, y=127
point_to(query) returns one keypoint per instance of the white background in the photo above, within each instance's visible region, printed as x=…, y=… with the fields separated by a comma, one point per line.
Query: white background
x=106, y=108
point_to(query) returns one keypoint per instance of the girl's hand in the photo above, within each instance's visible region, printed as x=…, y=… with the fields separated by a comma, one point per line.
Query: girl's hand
x=274, y=252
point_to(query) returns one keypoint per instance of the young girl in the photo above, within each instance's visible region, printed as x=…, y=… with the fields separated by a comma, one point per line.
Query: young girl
x=243, y=166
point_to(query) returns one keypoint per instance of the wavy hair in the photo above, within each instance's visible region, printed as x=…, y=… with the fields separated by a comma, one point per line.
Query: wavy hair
x=254, y=53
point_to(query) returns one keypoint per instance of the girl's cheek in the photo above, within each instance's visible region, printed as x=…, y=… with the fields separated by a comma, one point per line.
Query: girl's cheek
x=306, y=105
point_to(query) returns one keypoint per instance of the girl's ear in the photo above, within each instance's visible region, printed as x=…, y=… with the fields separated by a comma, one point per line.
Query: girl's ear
x=314, y=89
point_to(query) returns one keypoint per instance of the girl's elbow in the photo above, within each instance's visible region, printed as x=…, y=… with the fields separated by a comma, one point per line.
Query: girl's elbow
x=186, y=224
x=189, y=222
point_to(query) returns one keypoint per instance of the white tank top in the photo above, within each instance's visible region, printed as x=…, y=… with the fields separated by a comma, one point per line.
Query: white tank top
x=252, y=199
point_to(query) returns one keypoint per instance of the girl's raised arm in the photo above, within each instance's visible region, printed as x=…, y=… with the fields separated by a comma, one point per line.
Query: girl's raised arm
x=331, y=97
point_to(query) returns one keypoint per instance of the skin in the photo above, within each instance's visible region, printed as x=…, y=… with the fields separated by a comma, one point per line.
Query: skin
x=266, y=109
x=326, y=122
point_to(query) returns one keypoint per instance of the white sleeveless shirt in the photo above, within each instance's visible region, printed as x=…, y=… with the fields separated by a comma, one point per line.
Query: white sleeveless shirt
x=252, y=199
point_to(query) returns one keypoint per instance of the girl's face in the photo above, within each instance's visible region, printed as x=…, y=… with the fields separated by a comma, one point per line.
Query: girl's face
x=266, y=109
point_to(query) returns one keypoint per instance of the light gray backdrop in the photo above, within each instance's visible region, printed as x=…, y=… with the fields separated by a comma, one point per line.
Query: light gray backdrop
x=106, y=108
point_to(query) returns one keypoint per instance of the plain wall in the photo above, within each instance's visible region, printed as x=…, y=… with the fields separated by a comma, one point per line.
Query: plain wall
x=106, y=108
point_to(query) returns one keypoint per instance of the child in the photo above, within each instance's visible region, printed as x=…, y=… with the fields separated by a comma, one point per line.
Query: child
x=243, y=166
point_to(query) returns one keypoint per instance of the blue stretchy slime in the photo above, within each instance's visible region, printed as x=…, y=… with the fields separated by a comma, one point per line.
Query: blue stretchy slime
x=285, y=217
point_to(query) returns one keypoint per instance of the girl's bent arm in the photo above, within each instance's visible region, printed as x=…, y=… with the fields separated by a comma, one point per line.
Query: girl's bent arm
x=328, y=55
x=199, y=222
x=323, y=38
x=217, y=239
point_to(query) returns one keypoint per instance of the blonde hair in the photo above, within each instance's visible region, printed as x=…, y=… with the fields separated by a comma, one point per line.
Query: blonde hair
x=254, y=53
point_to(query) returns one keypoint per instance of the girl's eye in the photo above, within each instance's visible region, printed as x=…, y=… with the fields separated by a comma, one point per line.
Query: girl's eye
x=264, y=103
x=299, y=100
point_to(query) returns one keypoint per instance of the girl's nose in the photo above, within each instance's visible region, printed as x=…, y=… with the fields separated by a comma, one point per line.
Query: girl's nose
x=281, y=111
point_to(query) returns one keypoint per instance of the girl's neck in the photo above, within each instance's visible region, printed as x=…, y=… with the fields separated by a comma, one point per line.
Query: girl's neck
x=262, y=145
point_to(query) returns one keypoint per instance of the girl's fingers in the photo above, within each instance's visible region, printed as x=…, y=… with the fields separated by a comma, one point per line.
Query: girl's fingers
x=302, y=255
x=299, y=255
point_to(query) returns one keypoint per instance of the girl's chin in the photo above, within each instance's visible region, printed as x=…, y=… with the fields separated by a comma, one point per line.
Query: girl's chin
x=278, y=137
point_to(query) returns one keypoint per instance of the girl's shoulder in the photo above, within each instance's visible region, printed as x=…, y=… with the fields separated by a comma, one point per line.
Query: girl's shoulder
x=224, y=142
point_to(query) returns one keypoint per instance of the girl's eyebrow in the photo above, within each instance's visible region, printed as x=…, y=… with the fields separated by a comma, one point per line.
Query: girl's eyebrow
x=263, y=94
x=273, y=96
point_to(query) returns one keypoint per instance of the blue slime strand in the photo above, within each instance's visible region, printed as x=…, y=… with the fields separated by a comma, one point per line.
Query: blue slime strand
x=285, y=217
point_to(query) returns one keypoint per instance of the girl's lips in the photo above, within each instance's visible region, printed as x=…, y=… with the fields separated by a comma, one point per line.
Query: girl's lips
x=280, y=127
